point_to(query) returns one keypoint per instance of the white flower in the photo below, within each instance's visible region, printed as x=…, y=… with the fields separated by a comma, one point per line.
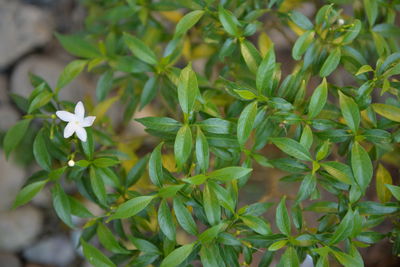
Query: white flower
x=340, y=21
x=76, y=122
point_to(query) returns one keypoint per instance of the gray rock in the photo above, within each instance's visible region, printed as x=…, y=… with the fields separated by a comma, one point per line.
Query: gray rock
x=12, y=177
x=8, y=114
x=9, y=260
x=8, y=117
x=49, y=69
x=19, y=227
x=308, y=262
x=42, y=2
x=22, y=28
x=55, y=250
x=3, y=90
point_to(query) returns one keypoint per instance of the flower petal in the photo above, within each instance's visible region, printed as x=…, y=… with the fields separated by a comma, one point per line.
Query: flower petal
x=79, y=110
x=69, y=129
x=65, y=115
x=81, y=133
x=88, y=121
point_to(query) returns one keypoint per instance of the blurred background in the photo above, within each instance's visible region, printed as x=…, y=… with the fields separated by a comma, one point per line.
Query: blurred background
x=32, y=236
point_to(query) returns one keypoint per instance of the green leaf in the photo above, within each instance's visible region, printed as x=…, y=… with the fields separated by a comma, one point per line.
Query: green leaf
x=187, y=22
x=302, y=44
x=345, y=259
x=301, y=20
x=98, y=186
x=338, y=170
x=42, y=99
x=211, y=205
x=292, y=148
x=78, y=209
x=136, y=172
x=188, y=89
x=105, y=162
x=376, y=208
x=323, y=150
x=40, y=151
x=132, y=207
x=350, y=111
x=184, y=217
x=278, y=245
x=372, y=9
x=14, y=135
x=88, y=146
x=282, y=218
x=245, y=94
x=331, y=63
x=257, y=224
x=78, y=46
x=229, y=173
x=28, y=193
x=217, y=126
x=388, y=111
x=306, y=138
x=225, y=198
x=363, y=69
x=155, y=166
x=318, y=100
x=183, y=145
x=61, y=205
x=95, y=256
x=352, y=32
x=250, y=55
x=265, y=72
x=307, y=187
x=361, y=166
x=170, y=190
x=165, y=221
x=344, y=229
x=109, y=177
x=149, y=91
x=289, y=258
x=140, y=49
x=107, y=239
x=70, y=72
x=177, y=256
x=383, y=178
x=395, y=190
x=228, y=21
x=104, y=85
x=211, y=233
x=144, y=245
x=202, y=151
x=210, y=256
x=162, y=124
x=246, y=122
x=196, y=180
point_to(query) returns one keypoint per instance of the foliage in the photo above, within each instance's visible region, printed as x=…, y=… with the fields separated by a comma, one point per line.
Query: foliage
x=242, y=110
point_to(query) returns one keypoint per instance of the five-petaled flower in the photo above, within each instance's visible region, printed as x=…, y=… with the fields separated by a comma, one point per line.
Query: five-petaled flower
x=76, y=122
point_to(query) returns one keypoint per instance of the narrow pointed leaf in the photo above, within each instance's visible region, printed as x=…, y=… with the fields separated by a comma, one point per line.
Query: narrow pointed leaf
x=140, y=49
x=246, y=122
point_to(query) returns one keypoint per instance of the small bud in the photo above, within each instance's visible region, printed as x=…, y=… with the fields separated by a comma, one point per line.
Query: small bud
x=71, y=163
x=340, y=21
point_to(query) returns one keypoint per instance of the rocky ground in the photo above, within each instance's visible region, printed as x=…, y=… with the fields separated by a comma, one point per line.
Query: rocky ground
x=32, y=236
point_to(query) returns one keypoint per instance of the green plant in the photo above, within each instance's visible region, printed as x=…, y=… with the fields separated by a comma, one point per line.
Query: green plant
x=233, y=113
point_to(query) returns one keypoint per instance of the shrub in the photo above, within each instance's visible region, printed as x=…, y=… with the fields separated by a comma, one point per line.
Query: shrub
x=225, y=107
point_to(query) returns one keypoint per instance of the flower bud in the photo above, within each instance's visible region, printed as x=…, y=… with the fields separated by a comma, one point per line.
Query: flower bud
x=71, y=163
